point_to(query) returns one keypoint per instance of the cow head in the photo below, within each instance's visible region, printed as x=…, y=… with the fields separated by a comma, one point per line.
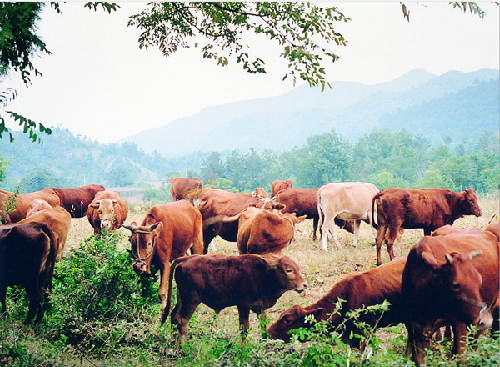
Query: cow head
x=469, y=205
x=143, y=241
x=459, y=286
x=291, y=319
x=287, y=272
x=106, y=211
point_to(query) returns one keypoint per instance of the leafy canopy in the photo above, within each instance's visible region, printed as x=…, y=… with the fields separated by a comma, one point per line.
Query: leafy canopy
x=303, y=30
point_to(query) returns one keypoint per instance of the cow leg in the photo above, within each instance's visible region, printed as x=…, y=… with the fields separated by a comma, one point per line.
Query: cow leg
x=421, y=342
x=329, y=226
x=162, y=291
x=3, y=298
x=181, y=315
x=381, y=232
x=315, y=228
x=244, y=314
x=34, y=307
x=460, y=337
x=357, y=224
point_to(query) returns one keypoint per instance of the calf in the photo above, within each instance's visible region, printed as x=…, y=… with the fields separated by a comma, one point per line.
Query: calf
x=445, y=280
x=347, y=201
x=58, y=220
x=249, y=282
x=27, y=258
x=428, y=209
x=106, y=211
x=166, y=233
x=368, y=288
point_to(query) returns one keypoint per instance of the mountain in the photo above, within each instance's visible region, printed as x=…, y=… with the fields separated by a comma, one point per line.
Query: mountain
x=418, y=101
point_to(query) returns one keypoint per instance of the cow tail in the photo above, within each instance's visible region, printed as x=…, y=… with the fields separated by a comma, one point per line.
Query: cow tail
x=166, y=310
x=48, y=268
x=375, y=199
x=320, y=211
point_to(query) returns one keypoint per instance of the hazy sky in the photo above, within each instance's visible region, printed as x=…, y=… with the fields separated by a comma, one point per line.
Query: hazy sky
x=99, y=84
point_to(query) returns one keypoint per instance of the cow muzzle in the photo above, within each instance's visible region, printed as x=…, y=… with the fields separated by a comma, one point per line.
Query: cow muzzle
x=485, y=319
x=301, y=287
x=140, y=267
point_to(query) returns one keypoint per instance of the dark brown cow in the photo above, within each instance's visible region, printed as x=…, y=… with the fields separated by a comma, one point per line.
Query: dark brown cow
x=444, y=281
x=76, y=200
x=278, y=185
x=216, y=202
x=249, y=282
x=261, y=231
x=179, y=187
x=428, y=209
x=305, y=202
x=107, y=211
x=58, y=220
x=367, y=288
x=27, y=258
x=23, y=203
x=166, y=233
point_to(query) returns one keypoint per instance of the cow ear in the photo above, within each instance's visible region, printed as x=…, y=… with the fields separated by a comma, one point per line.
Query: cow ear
x=154, y=226
x=131, y=227
x=300, y=219
x=429, y=258
x=315, y=312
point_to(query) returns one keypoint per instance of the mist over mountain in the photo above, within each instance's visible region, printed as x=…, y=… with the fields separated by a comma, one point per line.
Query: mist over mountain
x=455, y=105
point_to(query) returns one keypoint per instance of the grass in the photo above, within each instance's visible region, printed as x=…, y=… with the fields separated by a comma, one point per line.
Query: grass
x=213, y=340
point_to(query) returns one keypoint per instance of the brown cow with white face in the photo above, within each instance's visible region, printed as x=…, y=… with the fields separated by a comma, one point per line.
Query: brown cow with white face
x=215, y=202
x=279, y=185
x=428, y=209
x=58, y=220
x=367, y=288
x=249, y=282
x=23, y=203
x=27, y=259
x=305, y=202
x=452, y=278
x=107, y=211
x=179, y=187
x=349, y=201
x=167, y=232
x=77, y=200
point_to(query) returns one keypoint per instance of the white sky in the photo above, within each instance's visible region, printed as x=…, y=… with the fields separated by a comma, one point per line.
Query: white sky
x=99, y=84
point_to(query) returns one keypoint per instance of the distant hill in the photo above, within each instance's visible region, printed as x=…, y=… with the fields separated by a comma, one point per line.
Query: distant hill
x=454, y=104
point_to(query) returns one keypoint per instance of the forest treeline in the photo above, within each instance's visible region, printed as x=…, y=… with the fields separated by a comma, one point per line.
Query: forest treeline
x=383, y=157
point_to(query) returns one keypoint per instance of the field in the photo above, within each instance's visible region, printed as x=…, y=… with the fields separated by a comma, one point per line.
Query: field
x=154, y=345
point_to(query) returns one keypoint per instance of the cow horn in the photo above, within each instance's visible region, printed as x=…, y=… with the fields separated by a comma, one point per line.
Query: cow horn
x=130, y=227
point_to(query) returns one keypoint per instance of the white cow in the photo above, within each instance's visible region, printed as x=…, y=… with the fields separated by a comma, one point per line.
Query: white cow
x=347, y=201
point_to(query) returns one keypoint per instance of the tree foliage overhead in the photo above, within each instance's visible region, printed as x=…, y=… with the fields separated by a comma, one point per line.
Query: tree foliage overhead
x=303, y=30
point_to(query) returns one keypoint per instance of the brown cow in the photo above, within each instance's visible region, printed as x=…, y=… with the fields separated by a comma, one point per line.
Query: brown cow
x=76, y=200
x=367, y=288
x=305, y=202
x=27, y=259
x=249, y=282
x=166, y=233
x=428, y=209
x=106, y=211
x=347, y=201
x=179, y=187
x=278, y=185
x=216, y=202
x=261, y=231
x=58, y=220
x=23, y=203
x=445, y=281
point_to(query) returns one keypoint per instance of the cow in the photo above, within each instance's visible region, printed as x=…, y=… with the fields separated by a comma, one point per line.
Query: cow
x=261, y=231
x=179, y=187
x=76, y=200
x=38, y=205
x=166, y=233
x=357, y=290
x=278, y=185
x=27, y=259
x=58, y=220
x=217, y=202
x=23, y=203
x=107, y=211
x=450, y=278
x=347, y=201
x=249, y=282
x=305, y=202
x=428, y=209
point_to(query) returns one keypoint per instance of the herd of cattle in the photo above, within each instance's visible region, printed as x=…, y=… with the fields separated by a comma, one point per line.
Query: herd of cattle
x=449, y=278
